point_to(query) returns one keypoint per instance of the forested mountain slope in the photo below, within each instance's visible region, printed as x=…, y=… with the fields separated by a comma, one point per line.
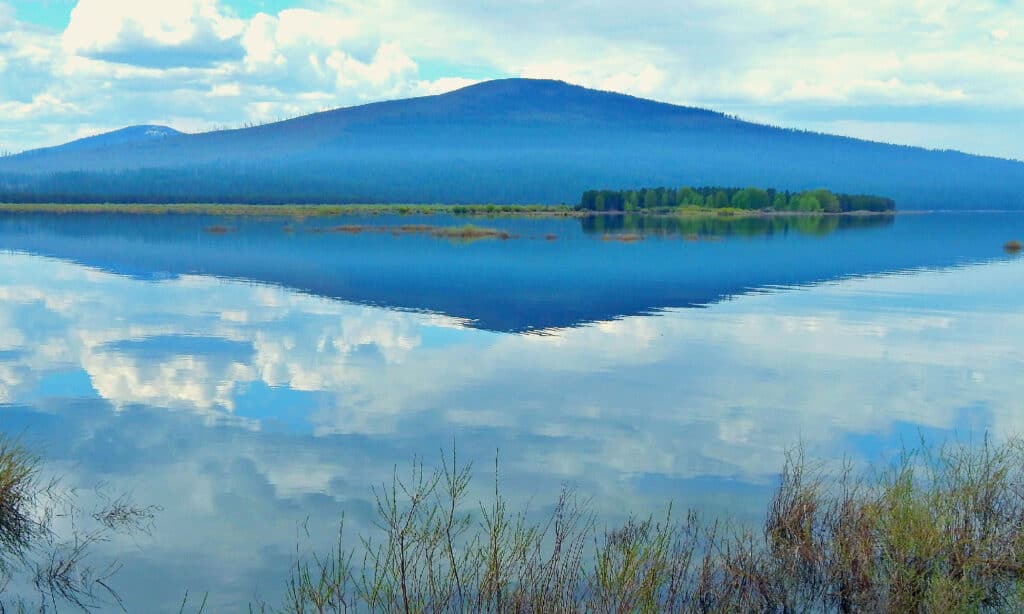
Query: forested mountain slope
x=513, y=140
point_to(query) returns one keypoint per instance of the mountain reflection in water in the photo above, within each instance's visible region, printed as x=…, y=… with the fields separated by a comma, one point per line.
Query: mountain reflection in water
x=205, y=373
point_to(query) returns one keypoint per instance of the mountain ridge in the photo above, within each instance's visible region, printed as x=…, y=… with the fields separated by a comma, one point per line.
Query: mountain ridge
x=510, y=140
x=120, y=136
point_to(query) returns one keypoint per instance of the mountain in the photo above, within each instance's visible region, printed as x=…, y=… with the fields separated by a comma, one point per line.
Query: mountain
x=512, y=140
x=515, y=285
x=130, y=136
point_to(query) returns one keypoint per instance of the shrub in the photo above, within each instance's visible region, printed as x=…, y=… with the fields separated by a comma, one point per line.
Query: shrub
x=938, y=531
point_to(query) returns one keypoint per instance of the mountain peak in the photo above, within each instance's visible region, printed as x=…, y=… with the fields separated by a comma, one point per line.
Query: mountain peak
x=140, y=132
x=507, y=140
x=122, y=136
x=554, y=92
x=519, y=85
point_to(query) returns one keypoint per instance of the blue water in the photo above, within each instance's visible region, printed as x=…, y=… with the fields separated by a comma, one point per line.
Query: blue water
x=262, y=379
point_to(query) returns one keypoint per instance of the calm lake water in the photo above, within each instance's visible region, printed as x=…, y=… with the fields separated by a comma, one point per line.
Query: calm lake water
x=264, y=376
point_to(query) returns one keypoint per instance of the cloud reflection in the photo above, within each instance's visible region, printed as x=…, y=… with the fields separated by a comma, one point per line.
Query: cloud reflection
x=243, y=408
x=759, y=371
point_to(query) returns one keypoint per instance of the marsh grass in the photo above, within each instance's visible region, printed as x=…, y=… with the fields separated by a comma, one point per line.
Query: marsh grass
x=18, y=484
x=938, y=530
x=352, y=229
x=60, y=568
x=216, y=230
x=465, y=233
x=470, y=232
x=300, y=211
x=629, y=237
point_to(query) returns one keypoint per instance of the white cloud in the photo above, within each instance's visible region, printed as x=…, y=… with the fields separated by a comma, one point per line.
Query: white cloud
x=160, y=34
x=404, y=382
x=891, y=90
x=197, y=63
x=389, y=68
x=377, y=373
x=640, y=79
x=41, y=105
x=226, y=90
x=445, y=84
x=301, y=50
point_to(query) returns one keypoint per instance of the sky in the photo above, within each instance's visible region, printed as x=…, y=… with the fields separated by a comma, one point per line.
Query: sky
x=936, y=73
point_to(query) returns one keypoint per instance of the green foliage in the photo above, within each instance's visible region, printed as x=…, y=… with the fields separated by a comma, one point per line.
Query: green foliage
x=651, y=199
x=940, y=530
x=806, y=202
x=747, y=199
x=751, y=198
x=828, y=201
x=688, y=197
x=719, y=199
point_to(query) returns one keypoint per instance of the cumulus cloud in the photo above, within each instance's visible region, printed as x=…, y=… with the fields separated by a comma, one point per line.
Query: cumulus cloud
x=803, y=64
x=154, y=34
x=41, y=105
x=200, y=344
x=301, y=50
x=375, y=386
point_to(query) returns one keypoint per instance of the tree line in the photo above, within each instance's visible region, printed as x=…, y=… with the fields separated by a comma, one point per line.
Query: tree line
x=752, y=199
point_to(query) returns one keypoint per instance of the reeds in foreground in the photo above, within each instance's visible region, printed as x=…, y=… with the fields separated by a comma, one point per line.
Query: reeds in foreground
x=58, y=567
x=939, y=530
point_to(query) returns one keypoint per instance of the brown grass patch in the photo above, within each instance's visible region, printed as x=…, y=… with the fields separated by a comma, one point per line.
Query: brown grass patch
x=411, y=229
x=217, y=230
x=351, y=229
x=455, y=233
x=623, y=238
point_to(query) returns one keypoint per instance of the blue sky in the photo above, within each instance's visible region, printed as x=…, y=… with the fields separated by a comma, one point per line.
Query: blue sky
x=936, y=73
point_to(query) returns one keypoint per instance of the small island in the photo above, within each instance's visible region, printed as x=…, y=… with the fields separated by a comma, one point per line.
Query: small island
x=663, y=200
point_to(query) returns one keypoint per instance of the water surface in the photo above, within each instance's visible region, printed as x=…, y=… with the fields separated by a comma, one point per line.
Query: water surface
x=252, y=381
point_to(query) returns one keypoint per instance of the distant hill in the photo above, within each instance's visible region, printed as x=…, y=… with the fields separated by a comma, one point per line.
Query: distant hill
x=132, y=136
x=512, y=140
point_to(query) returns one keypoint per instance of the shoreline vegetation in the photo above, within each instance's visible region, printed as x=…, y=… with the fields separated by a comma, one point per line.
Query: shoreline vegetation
x=940, y=528
x=734, y=200
x=48, y=538
x=937, y=529
x=301, y=211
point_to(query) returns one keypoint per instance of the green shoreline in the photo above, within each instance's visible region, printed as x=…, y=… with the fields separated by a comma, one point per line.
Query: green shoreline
x=398, y=209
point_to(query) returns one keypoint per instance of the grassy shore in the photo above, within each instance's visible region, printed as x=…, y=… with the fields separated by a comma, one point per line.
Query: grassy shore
x=940, y=529
x=396, y=209
x=298, y=210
